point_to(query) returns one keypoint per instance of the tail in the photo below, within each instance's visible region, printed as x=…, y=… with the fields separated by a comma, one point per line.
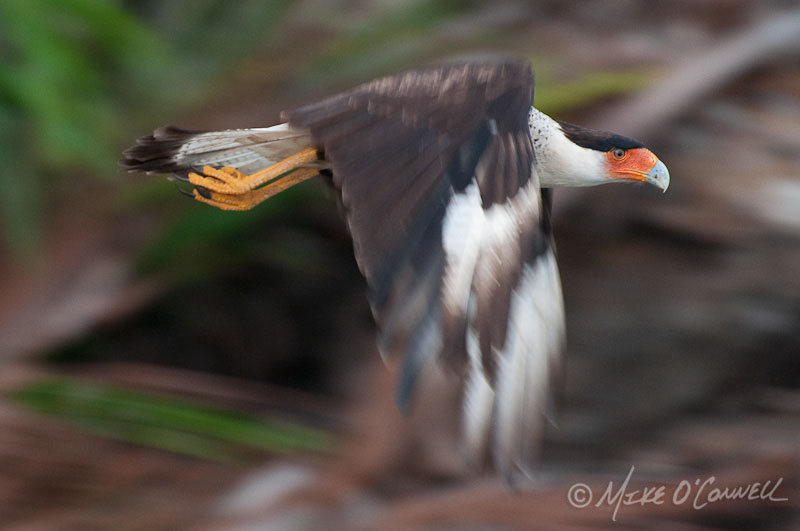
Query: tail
x=174, y=150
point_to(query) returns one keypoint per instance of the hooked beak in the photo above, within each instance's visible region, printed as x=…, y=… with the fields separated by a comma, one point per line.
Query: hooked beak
x=658, y=176
x=639, y=164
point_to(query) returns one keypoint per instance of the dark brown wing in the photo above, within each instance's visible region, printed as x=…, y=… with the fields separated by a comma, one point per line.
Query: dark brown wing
x=401, y=149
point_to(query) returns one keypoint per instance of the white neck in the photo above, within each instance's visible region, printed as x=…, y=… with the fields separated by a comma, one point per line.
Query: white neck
x=559, y=161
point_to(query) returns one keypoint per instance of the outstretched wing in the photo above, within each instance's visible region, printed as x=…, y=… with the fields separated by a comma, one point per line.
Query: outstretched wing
x=435, y=169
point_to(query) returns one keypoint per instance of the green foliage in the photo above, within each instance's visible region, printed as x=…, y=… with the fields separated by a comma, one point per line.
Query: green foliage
x=63, y=63
x=167, y=423
x=74, y=75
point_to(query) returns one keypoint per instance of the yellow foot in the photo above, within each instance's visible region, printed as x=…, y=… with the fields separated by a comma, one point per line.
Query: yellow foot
x=251, y=198
x=231, y=181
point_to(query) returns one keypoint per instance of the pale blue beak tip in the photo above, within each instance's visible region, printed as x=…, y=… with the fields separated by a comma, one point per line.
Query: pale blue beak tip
x=658, y=176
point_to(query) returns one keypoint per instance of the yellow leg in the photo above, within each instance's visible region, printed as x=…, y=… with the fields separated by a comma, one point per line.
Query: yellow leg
x=251, y=198
x=231, y=181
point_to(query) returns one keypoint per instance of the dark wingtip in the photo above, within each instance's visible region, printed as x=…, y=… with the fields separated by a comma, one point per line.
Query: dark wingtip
x=156, y=152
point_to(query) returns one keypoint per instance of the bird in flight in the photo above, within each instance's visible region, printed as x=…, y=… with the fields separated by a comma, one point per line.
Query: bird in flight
x=446, y=176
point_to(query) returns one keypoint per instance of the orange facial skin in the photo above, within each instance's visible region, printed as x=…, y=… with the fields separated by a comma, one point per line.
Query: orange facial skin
x=633, y=165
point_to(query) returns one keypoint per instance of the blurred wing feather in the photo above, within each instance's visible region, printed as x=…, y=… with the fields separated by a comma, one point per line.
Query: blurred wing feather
x=435, y=169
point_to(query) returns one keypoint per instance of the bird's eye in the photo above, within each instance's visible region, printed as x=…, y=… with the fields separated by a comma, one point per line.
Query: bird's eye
x=618, y=153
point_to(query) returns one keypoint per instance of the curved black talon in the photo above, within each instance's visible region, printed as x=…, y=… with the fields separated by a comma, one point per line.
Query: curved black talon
x=205, y=192
x=184, y=192
x=178, y=177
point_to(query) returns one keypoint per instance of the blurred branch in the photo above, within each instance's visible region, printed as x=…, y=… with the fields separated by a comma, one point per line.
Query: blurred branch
x=646, y=115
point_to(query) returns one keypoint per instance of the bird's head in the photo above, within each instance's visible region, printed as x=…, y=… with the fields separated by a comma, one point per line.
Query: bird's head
x=637, y=164
x=572, y=155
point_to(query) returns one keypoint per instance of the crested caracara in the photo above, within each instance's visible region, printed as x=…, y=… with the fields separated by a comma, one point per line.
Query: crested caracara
x=446, y=176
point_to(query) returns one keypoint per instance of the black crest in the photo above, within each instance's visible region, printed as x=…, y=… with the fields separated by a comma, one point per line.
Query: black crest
x=596, y=139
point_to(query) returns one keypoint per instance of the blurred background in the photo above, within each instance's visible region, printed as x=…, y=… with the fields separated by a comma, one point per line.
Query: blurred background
x=165, y=365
